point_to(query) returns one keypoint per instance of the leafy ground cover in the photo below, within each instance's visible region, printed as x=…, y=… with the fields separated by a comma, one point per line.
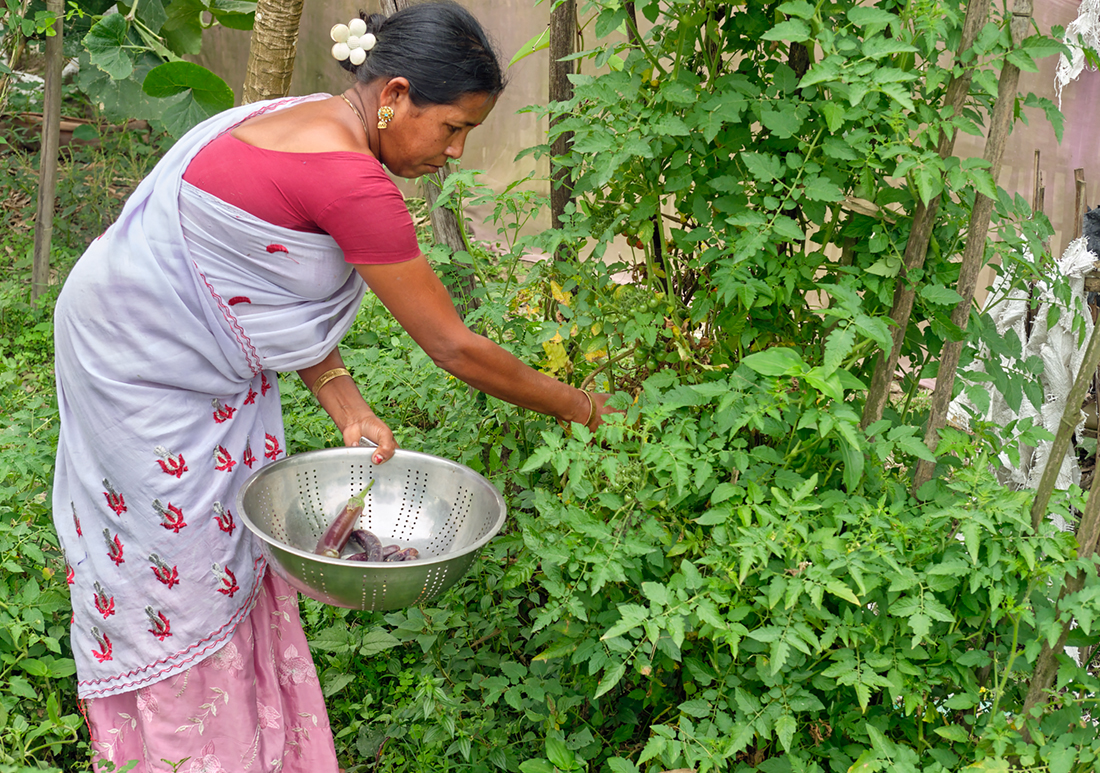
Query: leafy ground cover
x=734, y=574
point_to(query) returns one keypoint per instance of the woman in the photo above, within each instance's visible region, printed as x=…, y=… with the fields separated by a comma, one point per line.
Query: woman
x=247, y=251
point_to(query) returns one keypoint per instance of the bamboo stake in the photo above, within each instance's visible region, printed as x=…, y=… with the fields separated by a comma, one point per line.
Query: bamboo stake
x=47, y=164
x=974, y=253
x=1079, y=202
x=924, y=220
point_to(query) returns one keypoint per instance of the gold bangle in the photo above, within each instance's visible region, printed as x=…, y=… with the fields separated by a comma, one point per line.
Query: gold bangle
x=591, y=406
x=326, y=377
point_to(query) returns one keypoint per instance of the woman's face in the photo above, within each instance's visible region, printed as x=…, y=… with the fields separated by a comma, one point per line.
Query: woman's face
x=420, y=140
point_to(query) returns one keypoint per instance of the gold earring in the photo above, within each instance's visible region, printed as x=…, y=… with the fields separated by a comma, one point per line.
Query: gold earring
x=385, y=115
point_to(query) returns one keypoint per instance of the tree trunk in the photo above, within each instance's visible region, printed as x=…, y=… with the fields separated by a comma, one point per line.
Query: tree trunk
x=272, y=50
x=977, y=234
x=47, y=165
x=563, y=31
x=924, y=220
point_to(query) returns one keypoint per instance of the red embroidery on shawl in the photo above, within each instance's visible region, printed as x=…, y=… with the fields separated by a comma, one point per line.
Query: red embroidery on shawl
x=173, y=464
x=271, y=447
x=251, y=399
x=277, y=248
x=114, y=547
x=104, y=604
x=70, y=575
x=224, y=518
x=166, y=575
x=242, y=338
x=239, y=299
x=222, y=412
x=162, y=628
x=227, y=579
x=198, y=650
x=115, y=501
x=76, y=518
x=248, y=457
x=264, y=384
x=171, y=517
x=104, y=651
x=223, y=462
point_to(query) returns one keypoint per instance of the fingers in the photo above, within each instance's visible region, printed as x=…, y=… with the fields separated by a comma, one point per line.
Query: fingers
x=375, y=430
x=602, y=409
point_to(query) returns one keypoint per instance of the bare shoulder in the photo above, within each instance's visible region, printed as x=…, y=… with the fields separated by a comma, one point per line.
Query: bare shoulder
x=311, y=127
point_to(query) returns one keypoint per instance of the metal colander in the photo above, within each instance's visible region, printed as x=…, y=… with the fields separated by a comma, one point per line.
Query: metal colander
x=443, y=509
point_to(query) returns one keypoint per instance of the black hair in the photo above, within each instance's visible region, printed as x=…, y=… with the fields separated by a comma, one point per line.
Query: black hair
x=439, y=47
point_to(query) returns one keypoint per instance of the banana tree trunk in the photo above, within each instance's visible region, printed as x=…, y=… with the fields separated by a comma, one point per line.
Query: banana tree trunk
x=272, y=50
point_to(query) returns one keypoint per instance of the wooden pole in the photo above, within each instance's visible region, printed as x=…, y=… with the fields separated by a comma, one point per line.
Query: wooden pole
x=563, y=31
x=974, y=252
x=272, y=50
x=924, y=220
x=47, y=164
x=1080, y=202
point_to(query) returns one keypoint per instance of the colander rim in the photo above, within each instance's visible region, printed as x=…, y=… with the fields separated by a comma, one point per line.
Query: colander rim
x=256, y=477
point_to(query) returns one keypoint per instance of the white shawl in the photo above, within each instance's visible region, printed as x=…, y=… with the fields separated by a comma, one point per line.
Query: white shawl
x=167, y=333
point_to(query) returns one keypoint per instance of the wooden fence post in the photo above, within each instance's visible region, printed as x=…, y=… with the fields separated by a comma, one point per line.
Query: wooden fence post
x=47, y=164
x=563, y=30
x=924, y=220
x=974, y=252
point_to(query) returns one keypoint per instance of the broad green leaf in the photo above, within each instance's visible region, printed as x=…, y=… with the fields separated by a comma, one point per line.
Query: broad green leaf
x=953, y=733
x=619, y=765
x=834, y=115
x=697, y=707
x=794, y=30
x=536, y=766
x=762, y=166
x=105, y=42
x=879, y=47
x=781, y=123
x=378, y=640
x=201, y=94
x=799, y=8
x=560, y=754
x=866, y=16
x=775, y=362
x=941, y=295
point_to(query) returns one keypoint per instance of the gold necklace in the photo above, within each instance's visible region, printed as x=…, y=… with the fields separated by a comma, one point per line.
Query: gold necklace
x=358, y=115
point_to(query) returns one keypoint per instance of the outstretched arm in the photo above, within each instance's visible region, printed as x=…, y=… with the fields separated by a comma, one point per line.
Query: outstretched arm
x=420, y=303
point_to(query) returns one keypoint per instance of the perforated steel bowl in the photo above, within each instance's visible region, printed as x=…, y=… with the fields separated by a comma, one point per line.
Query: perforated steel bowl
x=443, y=509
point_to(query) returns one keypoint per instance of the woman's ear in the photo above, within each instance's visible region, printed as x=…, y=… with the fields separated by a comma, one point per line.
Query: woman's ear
x=395, y=90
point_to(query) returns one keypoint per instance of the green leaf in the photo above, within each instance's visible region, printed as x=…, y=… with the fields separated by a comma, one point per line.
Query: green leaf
x=775, y=362
x=834, y=115
x=785, y=727
x=202, y=94
x=781, y=123
x=794, y=30
x=940, y=295
x=764, y=167
x=537, y=43
x=560, y=754
x=536, y=766
x=879, y=47
x=378, y=640
x=866, y=16
x=619, y=765
x=105, y=41
x=611, y=677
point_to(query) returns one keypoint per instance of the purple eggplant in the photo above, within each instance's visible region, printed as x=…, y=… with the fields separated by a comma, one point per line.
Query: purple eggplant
x=408, y=554
x=357, y=557
x=370, y=544
x=334, y=539
x=389, y=550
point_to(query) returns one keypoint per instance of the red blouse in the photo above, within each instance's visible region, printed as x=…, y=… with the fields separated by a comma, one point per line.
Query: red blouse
x=344, y=194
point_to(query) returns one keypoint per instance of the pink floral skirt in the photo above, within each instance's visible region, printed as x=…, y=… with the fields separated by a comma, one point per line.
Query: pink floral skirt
x=255, y=705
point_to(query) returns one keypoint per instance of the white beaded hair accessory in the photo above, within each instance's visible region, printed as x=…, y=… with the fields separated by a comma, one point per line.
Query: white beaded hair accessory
x=352, y=41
